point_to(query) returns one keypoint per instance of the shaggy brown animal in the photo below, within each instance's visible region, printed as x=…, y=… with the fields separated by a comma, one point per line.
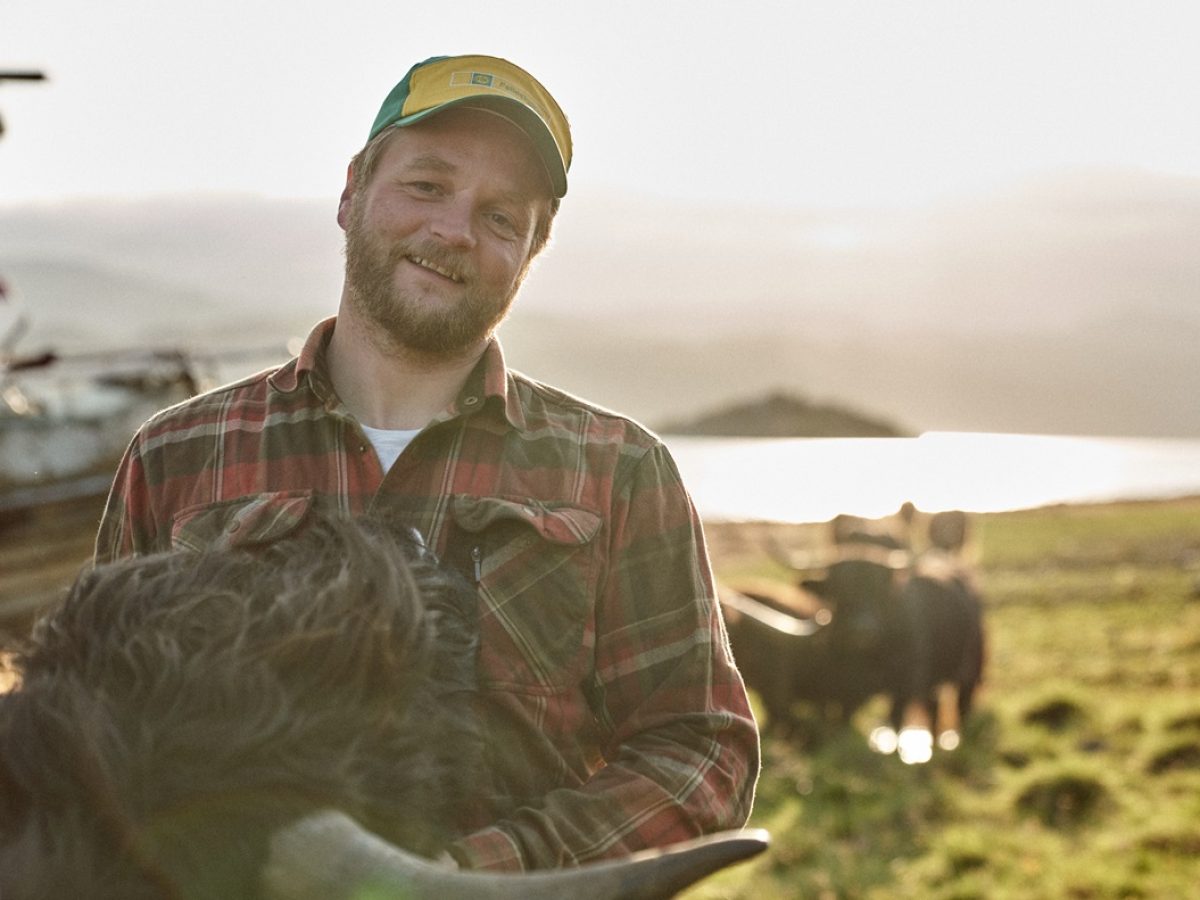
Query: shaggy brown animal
x=176, y=710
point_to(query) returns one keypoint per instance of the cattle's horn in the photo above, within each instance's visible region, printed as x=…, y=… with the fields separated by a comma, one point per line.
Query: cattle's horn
x=328, y=856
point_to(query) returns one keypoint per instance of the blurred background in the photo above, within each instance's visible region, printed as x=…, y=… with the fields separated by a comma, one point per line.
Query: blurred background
x=843, y=255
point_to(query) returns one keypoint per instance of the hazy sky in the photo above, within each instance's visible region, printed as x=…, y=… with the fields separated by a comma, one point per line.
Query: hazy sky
x=795, y=103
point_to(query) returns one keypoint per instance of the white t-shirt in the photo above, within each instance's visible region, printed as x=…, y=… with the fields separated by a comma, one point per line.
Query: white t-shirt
x=389, y=443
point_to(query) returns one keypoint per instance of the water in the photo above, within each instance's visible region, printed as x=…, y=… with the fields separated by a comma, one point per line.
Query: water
x=814, y=479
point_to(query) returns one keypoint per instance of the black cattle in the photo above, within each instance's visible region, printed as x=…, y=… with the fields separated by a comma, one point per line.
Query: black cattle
x=224, y=724
x=890, y=625
x=902, y=633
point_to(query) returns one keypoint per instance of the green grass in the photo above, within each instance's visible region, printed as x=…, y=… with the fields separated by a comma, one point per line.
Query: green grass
x=1079, y=777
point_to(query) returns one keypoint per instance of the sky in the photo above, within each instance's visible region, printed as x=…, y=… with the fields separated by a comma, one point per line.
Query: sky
x=842, y=104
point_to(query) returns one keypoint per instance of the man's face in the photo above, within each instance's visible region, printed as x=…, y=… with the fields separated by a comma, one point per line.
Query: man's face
x=438, y=242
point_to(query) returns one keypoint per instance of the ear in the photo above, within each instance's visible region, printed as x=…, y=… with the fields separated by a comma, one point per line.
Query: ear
x=343, y=213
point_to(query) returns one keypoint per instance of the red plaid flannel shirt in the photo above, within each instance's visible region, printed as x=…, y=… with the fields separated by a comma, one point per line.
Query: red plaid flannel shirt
x=615, y=716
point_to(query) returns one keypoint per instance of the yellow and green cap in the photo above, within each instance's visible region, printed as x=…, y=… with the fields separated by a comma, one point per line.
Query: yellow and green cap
x=490, y=83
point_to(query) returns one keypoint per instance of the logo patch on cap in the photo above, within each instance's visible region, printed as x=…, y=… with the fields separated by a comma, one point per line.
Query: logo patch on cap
x=474, y=78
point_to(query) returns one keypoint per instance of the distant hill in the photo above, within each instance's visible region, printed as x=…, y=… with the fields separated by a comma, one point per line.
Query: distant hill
x=783, y=415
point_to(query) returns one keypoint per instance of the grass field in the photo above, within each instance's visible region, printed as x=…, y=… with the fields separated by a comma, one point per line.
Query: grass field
x=1079, y=775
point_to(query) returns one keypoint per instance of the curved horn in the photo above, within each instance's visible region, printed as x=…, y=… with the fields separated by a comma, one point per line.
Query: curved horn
x=329, y=856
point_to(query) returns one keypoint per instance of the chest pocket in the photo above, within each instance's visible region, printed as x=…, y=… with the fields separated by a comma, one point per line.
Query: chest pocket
x=244, y=522
x=534, y=568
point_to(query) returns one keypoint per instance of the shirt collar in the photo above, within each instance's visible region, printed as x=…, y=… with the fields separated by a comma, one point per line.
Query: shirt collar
x=488, y=386
x=311, y=361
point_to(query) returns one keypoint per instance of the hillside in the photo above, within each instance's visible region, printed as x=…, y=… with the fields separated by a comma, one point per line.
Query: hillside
x=782, y=415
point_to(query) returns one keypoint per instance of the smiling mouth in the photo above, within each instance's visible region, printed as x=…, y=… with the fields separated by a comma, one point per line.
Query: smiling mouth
x=434, y=267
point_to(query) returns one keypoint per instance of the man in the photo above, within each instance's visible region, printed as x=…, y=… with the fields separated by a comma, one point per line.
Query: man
x=614, y=715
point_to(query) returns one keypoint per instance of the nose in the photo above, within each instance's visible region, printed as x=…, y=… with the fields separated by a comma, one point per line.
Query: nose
x=453, y=222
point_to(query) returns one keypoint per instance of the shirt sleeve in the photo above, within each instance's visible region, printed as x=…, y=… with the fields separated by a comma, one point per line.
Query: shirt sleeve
x=683, y=754
x=126, y=527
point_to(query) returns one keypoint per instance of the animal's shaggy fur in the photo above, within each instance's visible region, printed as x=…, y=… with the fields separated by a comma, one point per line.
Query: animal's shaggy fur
x=177, y=709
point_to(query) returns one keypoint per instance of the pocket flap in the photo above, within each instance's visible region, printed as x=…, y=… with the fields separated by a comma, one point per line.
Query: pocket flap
x=556, y=523
x=244, y=522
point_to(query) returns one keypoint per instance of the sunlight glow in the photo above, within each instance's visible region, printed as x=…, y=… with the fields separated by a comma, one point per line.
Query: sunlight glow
x=915, y=746
x=814, y=479
x=883, y=740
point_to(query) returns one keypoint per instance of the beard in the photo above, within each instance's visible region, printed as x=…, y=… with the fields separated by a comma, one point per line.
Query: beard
x=401, y=318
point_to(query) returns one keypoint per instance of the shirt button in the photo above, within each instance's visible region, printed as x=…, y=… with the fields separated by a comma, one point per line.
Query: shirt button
x=470, y=401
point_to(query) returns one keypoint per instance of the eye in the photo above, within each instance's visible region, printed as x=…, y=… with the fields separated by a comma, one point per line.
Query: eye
x=425, y=187
x=501, y=220
x=505, y=224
